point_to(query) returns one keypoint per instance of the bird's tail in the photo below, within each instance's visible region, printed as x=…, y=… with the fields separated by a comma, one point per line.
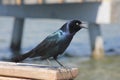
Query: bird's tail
x=20, y=57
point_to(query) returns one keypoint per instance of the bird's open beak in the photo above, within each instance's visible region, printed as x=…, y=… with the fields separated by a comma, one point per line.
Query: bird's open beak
x=84, y=25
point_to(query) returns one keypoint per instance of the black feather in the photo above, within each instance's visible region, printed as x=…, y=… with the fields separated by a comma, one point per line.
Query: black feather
x=54, y=44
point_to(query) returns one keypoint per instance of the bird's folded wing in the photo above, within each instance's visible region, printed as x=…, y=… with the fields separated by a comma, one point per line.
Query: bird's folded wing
x=45, y=45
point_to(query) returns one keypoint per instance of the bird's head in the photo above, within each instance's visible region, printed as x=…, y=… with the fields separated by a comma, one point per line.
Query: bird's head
x=75, y=25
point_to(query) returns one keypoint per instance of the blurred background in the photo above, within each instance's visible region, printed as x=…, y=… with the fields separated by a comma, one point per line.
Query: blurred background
x=81, y=52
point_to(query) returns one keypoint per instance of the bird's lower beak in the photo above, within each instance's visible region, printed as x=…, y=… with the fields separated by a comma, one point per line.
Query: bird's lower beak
x=84, y=25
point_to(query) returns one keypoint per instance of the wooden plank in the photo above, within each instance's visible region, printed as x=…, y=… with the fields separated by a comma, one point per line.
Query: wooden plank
x=35, y=71
x=40, y=1
x=84, y=11
x=19, y=2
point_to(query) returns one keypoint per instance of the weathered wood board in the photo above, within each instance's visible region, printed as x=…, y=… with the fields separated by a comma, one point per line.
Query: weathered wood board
x=25, y=71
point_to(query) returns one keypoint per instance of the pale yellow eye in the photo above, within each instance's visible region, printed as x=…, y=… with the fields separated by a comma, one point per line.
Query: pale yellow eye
x=77, y=24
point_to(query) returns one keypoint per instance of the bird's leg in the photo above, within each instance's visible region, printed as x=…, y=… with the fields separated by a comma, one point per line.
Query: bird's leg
x=68, y=70
x=51, y=66
x=59, y=68
x=59, y=63
x=48, y=61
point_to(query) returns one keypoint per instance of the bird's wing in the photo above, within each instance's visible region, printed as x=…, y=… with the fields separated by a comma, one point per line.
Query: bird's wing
x=48, y=43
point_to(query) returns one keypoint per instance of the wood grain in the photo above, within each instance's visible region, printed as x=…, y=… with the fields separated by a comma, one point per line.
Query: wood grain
x=35, y=71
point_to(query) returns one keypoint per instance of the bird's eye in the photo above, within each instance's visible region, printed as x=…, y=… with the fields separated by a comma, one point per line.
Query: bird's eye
x=77, y=24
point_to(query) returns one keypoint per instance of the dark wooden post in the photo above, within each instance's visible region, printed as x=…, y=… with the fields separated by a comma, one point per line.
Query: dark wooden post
x=0, y=1
x=17, y=34
x=96, y=41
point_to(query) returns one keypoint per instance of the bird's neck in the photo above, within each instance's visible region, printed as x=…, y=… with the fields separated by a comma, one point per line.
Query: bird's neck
x=65, y=29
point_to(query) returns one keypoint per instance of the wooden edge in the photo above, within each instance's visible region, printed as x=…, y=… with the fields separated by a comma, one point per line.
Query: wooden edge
x=35, y=71
x=67, y=74
x=11, y=78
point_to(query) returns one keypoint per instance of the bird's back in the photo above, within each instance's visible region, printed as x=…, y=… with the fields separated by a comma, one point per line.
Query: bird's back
x=53, y=45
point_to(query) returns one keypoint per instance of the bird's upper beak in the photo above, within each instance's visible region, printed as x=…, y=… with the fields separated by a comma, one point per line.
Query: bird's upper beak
x=84, y=25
